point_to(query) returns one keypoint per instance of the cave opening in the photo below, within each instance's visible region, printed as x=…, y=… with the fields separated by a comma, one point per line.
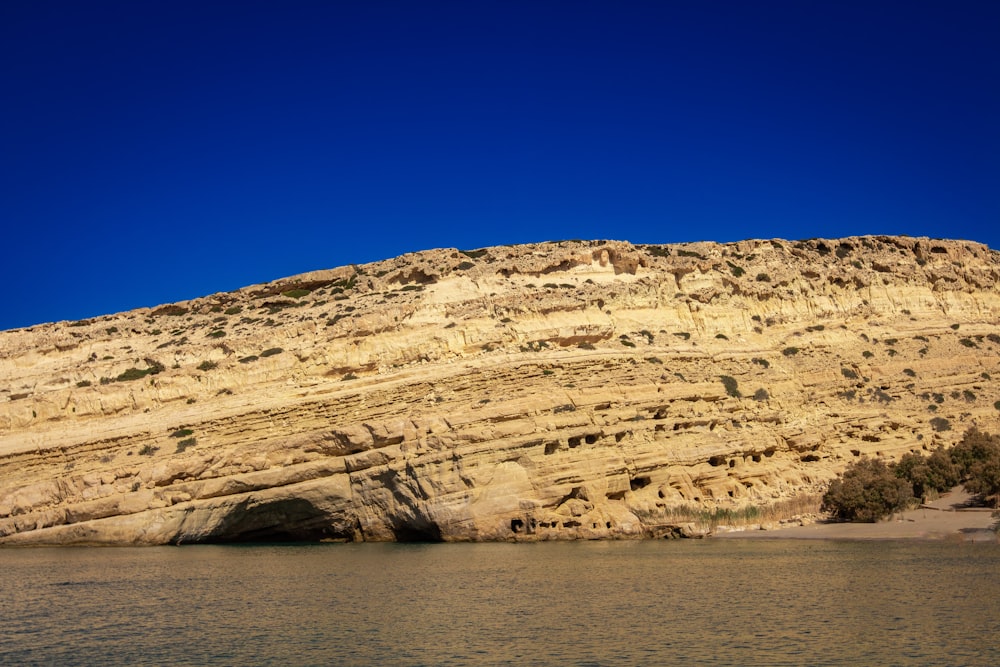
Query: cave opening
x=429, y=532
x=282, y=521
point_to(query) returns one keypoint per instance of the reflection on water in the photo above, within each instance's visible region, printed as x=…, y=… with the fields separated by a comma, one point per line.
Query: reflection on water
x=582, y=603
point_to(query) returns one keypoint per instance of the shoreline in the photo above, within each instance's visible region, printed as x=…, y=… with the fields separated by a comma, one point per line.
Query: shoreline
x=950, y=517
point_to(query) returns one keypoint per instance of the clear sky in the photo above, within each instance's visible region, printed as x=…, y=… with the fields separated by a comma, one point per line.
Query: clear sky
x=155, y=151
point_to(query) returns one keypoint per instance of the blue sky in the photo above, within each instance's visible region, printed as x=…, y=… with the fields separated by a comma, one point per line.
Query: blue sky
x=157, y=151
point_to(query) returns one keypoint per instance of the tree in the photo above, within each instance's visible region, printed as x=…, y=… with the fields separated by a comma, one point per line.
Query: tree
x=977, y=459
x=866, y=492
x=933, y=474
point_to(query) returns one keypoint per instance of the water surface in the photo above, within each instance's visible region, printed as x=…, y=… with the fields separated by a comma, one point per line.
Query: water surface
x=703, y=602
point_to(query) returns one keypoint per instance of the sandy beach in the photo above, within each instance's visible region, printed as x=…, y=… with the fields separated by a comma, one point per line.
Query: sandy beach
x=950, y=517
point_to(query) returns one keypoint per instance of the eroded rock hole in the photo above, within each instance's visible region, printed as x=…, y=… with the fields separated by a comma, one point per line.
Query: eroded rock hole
x=639, y=483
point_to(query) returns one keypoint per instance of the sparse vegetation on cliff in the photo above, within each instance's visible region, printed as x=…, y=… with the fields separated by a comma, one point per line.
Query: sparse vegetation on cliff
x=434, y=375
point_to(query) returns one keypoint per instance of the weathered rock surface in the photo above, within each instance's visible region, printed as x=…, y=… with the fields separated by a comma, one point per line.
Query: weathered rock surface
x=550, y=391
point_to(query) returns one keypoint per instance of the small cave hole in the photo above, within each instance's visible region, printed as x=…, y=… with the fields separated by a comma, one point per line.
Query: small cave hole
x=639, y=483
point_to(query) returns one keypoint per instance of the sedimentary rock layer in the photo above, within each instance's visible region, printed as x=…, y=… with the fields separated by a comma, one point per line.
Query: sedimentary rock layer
x=551, y=391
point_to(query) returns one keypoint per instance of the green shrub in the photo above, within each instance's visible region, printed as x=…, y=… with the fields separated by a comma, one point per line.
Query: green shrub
x=790, y=351
x=148, y=450
x=867, y=354
x=731, y=386
x=690, y=253
x=207, y=365
x=737, y=271
x=586, y=346
x=763, y=278
x=848, y=373
x=184, y=444
x=658, y=251
x=233, y=310
x=940, y=424
x=181, y=433
x=83, y=383
x=867, y=491
x=761, y=395
x=296, y=293
x=764, y=363
x=138, y=373
x=465, y=266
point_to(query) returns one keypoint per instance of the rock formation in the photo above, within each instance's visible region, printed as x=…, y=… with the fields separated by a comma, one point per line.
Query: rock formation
x=550, y=391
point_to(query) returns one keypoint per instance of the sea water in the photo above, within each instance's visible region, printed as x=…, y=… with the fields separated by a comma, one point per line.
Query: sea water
x=698, y=602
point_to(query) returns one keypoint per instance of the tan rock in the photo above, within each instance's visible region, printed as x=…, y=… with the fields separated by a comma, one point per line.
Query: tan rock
x=547, y=391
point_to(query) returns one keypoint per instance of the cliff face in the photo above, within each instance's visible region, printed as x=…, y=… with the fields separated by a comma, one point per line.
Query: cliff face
x=550, y=391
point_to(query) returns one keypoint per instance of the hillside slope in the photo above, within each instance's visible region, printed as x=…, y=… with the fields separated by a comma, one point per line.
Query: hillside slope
x=548, y=391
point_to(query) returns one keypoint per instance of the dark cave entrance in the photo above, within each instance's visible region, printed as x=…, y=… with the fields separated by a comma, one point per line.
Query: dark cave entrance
x=279, y=521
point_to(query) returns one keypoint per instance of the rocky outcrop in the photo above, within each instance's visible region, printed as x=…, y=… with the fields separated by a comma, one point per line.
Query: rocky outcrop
x=550, y=391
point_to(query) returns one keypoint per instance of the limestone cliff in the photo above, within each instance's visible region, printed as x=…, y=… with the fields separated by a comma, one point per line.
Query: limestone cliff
x=550, y=391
